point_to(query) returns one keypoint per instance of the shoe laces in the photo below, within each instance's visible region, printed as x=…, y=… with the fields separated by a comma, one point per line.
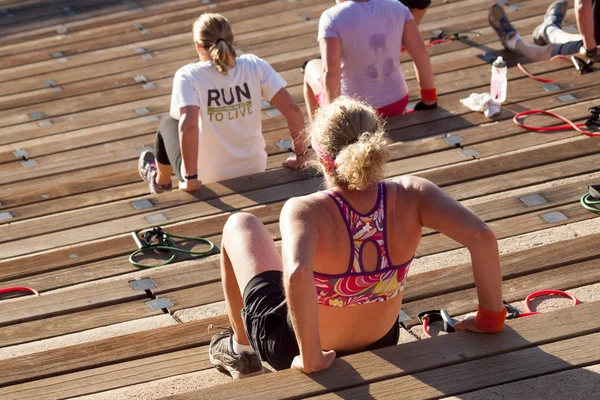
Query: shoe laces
x=505, y=25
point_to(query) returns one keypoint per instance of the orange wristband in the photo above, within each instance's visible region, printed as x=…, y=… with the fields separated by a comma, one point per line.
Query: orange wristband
x=490, y=321
x=429, y=95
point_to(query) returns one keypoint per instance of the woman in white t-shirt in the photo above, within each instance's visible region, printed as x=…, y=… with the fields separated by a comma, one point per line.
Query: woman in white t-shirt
x=214, y=130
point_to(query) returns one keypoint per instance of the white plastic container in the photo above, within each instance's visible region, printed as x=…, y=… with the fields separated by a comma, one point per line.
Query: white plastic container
x=499, y=82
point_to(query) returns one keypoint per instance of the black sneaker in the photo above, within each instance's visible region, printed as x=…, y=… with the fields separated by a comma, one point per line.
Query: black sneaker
x=555, y=14
x=501, y=24
x=239, y=366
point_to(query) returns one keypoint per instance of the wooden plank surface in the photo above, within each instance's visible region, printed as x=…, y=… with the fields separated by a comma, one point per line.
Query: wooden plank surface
x=74, y=322
x=465, y=301
x=492, y=371
x=107, y=351
x=395, y=361
x=112, y=376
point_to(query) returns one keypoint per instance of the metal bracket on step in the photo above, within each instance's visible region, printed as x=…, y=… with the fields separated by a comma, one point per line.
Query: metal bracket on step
x=146, y=56
x=533, y=200
x=468, y=153
x=159, y=303
x=45, y=123
x=141, y=28
x=142, y=111
x=156, y=218
x=284, y=144
x=29, y=163
x=273, y=113
x=5, y=216
x=149, y=85
x=453, y=139
x=554, y=216
x=140, y=79
x=142, y=204
x=36, y=115
x=152, y=118
x=143, y=284
x=20, y=153
x=402, y=317
x=566, y=97
x=551, y=87
x=139, y=50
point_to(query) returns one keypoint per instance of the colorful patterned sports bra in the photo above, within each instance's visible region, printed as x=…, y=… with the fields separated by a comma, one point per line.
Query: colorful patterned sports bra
x=356, y=286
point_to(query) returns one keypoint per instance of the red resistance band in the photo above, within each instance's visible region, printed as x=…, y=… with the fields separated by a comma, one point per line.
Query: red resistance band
x=547, y=292
x=570, y=124
x=512, y=311
x=19, y=289
x=545, y=80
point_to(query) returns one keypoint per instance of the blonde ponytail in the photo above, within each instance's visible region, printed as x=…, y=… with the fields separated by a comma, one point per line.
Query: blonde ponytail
x=359, y=165
x=349, y=133
x=213, y=32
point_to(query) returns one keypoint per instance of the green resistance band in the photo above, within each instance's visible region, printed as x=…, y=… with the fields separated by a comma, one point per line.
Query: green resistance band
x=588, y=202
x=164, y=242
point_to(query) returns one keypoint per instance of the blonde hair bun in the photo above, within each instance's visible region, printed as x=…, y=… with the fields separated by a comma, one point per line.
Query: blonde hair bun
x=360, y=164
x=351, y=133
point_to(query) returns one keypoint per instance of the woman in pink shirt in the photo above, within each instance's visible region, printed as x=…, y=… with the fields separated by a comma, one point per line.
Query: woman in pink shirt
x=361, y=42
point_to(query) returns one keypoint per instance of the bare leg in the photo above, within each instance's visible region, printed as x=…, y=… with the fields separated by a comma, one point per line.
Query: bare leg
x=312, y=85
x=247, y=250
x=418, y=14
x=534, y=52
x=163, y=173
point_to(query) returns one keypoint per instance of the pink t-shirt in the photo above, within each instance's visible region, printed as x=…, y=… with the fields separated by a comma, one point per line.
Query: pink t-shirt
x=371, y=35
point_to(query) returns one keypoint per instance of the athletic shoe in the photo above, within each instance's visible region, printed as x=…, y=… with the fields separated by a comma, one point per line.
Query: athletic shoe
x=147, y=170
x=239, y=366
x=554, y=15
x=501, y=24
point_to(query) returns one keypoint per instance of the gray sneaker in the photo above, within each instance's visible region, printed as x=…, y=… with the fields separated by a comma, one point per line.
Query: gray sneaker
x=501, y=24
x=555, y=14
x=239, y=366
x=147, y=170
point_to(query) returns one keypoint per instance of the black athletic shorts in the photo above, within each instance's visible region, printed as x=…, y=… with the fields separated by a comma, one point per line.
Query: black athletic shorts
x=268, y=325
x=418, y=4
x=567, y=49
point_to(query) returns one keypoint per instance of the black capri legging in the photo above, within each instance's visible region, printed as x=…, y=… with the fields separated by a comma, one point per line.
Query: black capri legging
x=167, y=147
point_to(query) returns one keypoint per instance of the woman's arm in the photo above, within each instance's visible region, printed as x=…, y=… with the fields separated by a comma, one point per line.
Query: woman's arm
x=300, y=236
x=331, y=54
x=413, y=43
x=284, y=102
x=439, y=211
x=188, y=139
x=585, y=22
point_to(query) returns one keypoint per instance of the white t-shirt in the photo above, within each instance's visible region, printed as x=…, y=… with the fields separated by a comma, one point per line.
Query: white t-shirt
x=230, y=143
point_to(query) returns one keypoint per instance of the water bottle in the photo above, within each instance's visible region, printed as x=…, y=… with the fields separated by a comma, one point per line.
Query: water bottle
x=499, y=83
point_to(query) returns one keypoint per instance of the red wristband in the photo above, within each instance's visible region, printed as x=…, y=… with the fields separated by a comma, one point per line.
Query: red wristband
x=490, y=321
x=429, y=95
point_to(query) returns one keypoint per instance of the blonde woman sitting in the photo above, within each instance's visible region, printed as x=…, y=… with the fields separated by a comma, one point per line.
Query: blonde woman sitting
x=214, y=129
x=346, y=251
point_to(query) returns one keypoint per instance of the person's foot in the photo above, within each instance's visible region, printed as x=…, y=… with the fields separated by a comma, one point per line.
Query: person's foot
x=555, y=14
x=239, y=366
x=501, y=24
x=147, y=170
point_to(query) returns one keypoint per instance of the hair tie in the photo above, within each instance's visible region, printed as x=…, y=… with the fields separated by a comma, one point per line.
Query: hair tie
x=326, y=159
x=220, y=40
